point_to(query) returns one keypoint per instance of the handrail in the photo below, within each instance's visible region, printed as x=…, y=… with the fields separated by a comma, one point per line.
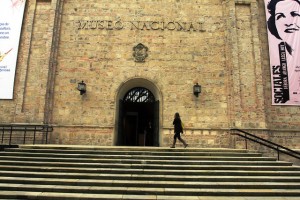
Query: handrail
x=266, y=143
x=25, y=128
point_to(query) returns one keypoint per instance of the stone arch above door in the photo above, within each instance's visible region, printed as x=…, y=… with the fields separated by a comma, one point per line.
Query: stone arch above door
x=138, y=82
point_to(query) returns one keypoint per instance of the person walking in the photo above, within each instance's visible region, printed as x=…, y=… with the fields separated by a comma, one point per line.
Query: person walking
x=178, y=129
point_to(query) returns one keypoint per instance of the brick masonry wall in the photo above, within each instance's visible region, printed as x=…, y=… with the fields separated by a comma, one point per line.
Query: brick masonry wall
x=82, y=135
x=227, y=55
x=103, y=58
x=199, y=138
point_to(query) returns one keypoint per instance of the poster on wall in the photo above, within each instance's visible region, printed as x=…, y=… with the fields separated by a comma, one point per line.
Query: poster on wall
x=11, y=17
x=283, y=22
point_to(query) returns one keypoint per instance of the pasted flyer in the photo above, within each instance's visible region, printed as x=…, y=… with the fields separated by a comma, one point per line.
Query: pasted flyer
x=11, y=18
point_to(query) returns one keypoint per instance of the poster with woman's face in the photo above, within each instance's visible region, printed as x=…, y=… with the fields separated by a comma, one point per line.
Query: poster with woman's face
x=283, y=22
x=11, y=17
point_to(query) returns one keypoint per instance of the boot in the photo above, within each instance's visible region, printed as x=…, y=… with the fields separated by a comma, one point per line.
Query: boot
x=173, y=145
x=184, y=143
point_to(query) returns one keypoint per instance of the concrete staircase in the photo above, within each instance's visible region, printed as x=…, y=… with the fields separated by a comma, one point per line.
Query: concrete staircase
x=91, y=172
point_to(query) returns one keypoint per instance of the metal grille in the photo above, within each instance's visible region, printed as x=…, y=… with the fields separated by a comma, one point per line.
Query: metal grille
x=139, y=95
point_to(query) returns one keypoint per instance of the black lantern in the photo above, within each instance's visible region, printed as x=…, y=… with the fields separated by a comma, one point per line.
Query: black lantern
x=197, y=89
x=81, y=87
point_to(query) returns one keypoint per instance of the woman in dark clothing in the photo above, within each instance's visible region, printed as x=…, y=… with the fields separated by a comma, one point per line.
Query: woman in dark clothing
x=177, y=130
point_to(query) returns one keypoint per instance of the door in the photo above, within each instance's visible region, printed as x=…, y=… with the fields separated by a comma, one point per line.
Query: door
x=131, y=129
x=120, y=136
x=156, y=123
x=138, y=119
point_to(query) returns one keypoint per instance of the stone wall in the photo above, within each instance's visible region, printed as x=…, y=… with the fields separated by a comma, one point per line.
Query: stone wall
x=220, y=44
x=207, y=138
x=102, y=57
x=82, y=135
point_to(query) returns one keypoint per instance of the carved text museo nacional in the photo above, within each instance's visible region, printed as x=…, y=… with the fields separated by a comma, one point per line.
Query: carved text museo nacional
x=139, y=25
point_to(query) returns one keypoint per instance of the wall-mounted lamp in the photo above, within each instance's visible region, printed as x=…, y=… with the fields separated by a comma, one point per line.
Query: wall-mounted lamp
x=81, y=87
x=197, y=89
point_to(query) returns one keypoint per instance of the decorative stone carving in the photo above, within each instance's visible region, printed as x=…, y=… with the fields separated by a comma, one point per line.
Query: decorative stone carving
x=140, y=53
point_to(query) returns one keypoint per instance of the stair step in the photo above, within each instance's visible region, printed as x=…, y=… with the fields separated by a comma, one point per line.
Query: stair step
x=80, y=172
x=80, y=196
x=139, y=168
x=98, y=167
x=126, y=148
x=148, y=190
x=147, y=165
x=160, y=171
x=123, y=152
x=110, y=158
x=146, y=183
x=97, y=176
x=257, y=161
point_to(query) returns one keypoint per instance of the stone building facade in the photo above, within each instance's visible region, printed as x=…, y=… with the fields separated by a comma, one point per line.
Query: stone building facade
x=220, y=44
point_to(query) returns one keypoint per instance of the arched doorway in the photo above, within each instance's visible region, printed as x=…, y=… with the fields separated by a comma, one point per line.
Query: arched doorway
x=138, y=118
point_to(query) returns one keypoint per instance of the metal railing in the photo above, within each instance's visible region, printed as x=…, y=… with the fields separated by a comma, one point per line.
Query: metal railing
x=21, y=133
x=279, y=148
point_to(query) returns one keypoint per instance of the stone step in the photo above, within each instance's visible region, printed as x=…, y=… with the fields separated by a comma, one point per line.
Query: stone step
x=145, y=184
x=150, y=165
x=88, y=154
x=15, y=165
x=80, y=172
x=148, y=190
x=135, y=159
x=142, y=163
x=17, y=195
x=127, y=148
x=160, y=171
x=111, y=176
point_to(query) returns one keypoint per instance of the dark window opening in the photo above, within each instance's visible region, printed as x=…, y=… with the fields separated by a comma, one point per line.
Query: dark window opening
x=139, y=95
